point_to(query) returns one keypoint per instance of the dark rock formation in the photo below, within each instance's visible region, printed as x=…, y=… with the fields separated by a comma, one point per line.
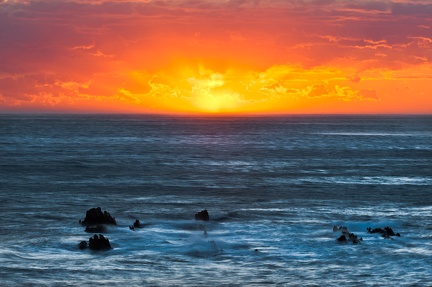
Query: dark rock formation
x=202, y=215
x=82, y=245
x=95, y=216
x=386, y=232
x=390, y=232
x=99, y=242
x=375, y=230
x=137, y=224
x=346, y=235
x=354, y=238
x=96, y=229
x=342, y=238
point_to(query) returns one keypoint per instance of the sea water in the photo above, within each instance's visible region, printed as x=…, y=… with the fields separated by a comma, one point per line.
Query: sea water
x=274, y=188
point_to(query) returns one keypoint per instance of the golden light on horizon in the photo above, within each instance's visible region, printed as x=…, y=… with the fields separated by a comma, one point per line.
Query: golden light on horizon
x=209, y=93
x=215, y=103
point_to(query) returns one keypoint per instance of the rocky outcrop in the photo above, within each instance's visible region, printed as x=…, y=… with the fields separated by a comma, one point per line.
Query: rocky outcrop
x=99, y=243
x=342, y=238
x=137, y=224
x=385, y=232
x=95, y=216
x=202, y=215
x=96, y=242
x=82, y=245
x=346, y=235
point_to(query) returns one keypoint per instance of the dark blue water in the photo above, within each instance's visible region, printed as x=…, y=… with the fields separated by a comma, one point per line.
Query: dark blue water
x=274, y=188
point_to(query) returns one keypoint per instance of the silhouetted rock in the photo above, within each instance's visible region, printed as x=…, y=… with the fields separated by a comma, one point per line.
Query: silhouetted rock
x=99, y=242
x=375, y=230
x=390, y=231
x=386, y=232
x=96, y=229
x=82, y=245
x=202, y=215
x=346, y=235
x=342, y=238
x=137, y=224
x=354, y=238
x=95, y=216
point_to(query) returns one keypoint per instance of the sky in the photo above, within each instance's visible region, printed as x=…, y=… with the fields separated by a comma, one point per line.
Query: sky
x=216, y=56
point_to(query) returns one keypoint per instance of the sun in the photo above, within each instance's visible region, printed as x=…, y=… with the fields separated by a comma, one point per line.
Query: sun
x=217, y=102
x=211, y=93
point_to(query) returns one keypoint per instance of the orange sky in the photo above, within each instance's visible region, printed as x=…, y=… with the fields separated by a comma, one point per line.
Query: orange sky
x=216, y=56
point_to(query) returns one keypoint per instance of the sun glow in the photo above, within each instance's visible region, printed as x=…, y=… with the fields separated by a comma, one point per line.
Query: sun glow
x=209, y=93
x=208, y=89
x=214, y=103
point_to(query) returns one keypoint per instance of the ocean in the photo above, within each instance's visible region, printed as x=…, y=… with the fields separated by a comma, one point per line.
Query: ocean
x=274, y=188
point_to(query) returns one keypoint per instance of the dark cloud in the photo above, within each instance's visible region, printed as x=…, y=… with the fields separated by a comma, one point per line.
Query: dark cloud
x=422, y=10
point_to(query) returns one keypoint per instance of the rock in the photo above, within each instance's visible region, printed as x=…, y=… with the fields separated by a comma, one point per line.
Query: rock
x=96, y=229
x=82, y=245
x=342, y=238
x=346, y=235
x=354, y=238
x=389, y=231
x=202, y=215
x=386, y=232
x=137, y=224
x=99, y=242
x=95, y=216
x=375, y=230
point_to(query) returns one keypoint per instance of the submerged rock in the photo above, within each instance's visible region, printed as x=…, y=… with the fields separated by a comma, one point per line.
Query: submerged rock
x=96, y=229
x=202, y=215
x=95, y=216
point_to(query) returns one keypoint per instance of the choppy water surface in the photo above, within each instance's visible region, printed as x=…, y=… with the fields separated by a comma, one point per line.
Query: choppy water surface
x=274, y=188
